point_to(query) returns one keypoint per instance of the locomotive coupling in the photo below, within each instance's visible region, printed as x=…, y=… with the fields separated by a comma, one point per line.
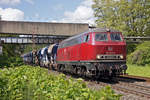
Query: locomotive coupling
x=124, y=68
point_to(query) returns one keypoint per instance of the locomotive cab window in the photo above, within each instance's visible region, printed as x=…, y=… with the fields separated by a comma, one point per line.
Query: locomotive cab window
x=101, y=37
x=86, y=38
x=115, y=37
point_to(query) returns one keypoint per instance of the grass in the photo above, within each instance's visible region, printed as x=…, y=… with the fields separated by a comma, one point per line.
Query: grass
x=138, y=70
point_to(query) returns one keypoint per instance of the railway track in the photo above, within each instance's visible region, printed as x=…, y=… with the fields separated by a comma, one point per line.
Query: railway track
x=139, y=90
x=127, y=85
x=134, y=89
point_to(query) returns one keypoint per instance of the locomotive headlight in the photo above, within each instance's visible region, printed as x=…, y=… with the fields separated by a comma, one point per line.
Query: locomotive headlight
x=98, y=56
x=121, y=56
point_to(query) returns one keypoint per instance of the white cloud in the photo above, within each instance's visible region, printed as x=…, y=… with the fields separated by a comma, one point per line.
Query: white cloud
x=87, y=3
x=10, y=2
x=11, y=14
x=82, y=14
x=14, y=2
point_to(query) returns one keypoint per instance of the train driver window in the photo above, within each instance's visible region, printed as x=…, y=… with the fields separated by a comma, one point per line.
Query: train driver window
x=115, y=37
x=101, y=37
x=86, y=38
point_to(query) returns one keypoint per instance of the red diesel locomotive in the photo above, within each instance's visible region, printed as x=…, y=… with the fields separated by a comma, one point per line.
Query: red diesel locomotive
x=98, y=52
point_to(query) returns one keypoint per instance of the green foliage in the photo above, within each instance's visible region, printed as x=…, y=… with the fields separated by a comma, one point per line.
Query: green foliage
x=35, y=83
x=29, y=48
x=141, y=56
x=105, y=94
x=12, y=52
x=131, y=17
x=11, y=55
x=138, y=70
x=131, y=48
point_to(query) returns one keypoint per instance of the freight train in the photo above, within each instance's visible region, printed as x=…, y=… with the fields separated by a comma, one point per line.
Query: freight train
x=98, y=52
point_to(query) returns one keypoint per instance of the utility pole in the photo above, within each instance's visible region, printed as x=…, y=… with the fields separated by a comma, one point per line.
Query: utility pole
x=1, y=48
x=35, y=29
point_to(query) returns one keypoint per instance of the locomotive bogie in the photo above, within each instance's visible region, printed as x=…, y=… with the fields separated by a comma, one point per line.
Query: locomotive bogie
x=95, y=68
x=110, y=68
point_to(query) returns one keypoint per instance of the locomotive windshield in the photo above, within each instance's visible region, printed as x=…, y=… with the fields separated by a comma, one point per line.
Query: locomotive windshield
x=115, y=37
x=101, y=37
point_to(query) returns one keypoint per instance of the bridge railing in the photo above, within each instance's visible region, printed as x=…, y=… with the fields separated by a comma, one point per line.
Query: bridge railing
x=29, y=40
x=55, y=39
x=136, y=39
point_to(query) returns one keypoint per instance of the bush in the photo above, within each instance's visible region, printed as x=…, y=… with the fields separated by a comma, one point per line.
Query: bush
x=141, y=55
x=35, y=83
x=11, y=55
x=131, y=48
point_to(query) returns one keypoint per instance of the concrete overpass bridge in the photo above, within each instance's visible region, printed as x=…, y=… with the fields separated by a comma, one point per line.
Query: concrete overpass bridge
x=46, y=33
x=41, y=28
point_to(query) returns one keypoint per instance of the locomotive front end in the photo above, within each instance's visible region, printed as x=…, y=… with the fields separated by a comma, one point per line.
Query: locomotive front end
x=109, y=53
x=96, y=53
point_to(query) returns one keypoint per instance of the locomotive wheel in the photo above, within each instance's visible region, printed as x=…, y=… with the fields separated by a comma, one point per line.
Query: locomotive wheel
x=79, y=71
x=83, y=71
x=61, y=67
x=73, y=69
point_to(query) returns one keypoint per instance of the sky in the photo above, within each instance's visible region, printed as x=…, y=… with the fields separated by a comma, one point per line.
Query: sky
x=67, y=11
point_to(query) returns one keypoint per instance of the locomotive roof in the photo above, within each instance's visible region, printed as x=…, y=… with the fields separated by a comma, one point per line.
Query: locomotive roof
x=92, y=30
x=103, y=30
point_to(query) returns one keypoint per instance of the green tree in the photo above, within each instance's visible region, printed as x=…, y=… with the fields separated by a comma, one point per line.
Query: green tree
x=11, y=55
x=132, y=17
